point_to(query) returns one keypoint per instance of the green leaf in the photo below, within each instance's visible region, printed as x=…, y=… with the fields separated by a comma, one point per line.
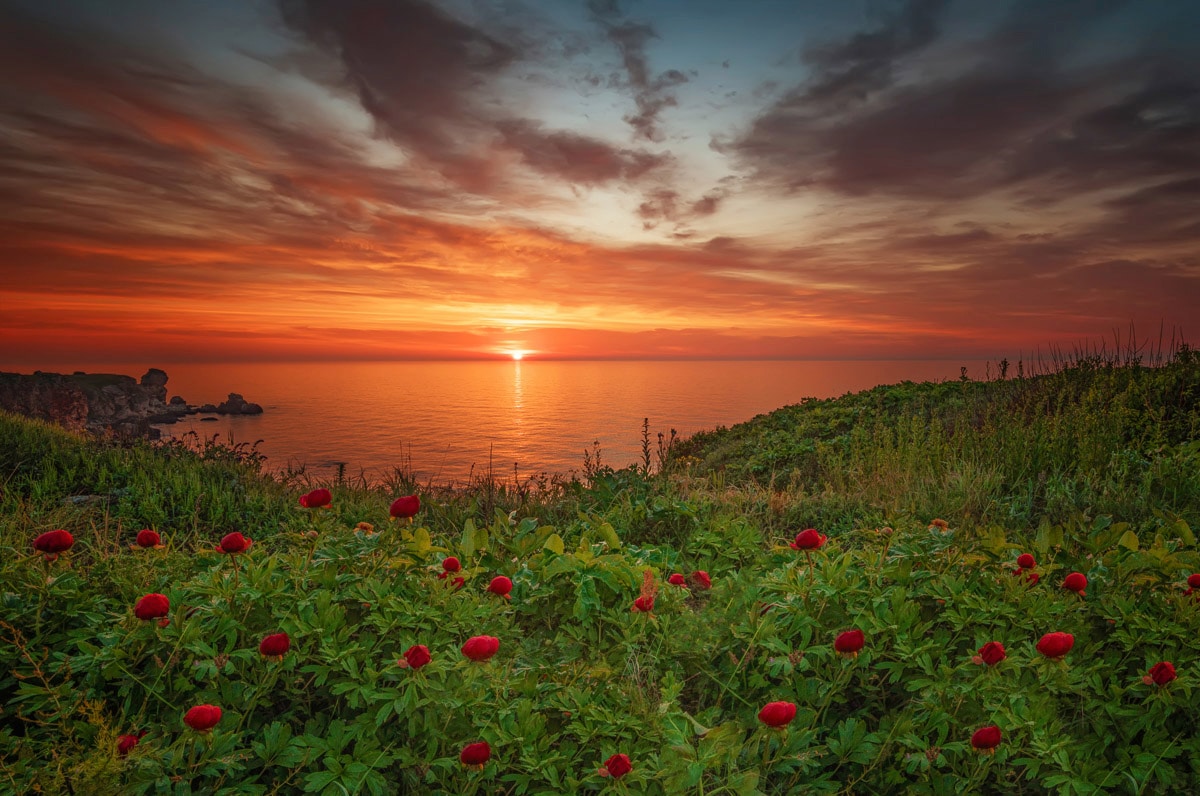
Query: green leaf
x=554, y=543
x=1129, y=540
x=468, y=539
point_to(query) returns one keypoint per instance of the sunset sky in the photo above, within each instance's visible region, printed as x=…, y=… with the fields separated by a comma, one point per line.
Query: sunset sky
x=373, y=179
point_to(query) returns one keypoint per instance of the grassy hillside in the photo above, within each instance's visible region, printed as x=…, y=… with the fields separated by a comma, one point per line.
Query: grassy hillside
x=927, y=493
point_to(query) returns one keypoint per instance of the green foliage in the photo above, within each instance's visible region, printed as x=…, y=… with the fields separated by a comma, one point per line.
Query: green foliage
x=1091, y=470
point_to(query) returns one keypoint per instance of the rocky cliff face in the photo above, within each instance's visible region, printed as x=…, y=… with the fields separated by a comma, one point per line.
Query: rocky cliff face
x=96, y=402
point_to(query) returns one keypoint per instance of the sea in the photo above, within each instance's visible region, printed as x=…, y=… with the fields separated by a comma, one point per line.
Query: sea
x=444, y=423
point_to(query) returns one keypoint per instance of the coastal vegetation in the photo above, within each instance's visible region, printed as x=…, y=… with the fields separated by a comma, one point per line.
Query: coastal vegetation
x=962, y=587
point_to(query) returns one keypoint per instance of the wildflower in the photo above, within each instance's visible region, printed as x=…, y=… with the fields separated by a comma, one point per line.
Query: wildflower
x=450, y=565
x=991, y=653
x=365, y=527
x=51, y=543
x=415, y=657
x=849, y=643
x=274, y=646
x=1160, y=674
x=475, y=754
x=458, y=583
x=616, y=766
x=1055, y=646
x=777, y=714
x=1033, y=578
x=405, y=508
x=808, y=539
x=234, y=543
x=643, y=605
x=701, y=580
x=480, y=648
x=125, y=743
x=152, y=606
x=1193, y=582
x=677, y=580
x=501, y=586
x=986, y=739
x=1076, y=582
x=1026, y=561
x=940, y=524
x=147, y=538
x=316, y=499
x=202, y=718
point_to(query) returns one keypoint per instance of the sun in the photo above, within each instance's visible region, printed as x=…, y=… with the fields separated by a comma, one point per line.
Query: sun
x=518, y=356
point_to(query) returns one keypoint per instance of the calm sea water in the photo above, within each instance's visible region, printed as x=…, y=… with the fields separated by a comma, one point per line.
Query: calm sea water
x=443, y=419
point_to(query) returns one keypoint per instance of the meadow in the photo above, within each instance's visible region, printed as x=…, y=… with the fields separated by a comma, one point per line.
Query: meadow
x=940, y=588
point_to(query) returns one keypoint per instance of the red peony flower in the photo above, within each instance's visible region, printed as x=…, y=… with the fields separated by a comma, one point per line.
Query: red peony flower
x=275, y=645
x=1193, y=582
x=808, y=539
x=416, y=656
x=1160, y=674
x=501, y=586
x=405, y=508
x=316, y=499
x=451, y=564
x=152, y=606
x=234, y=543
x=480, y=648
x=1033, y=578
x=202, y=718
x=1025, y=561
x=51, y=543
x=616, y=766
x=1075, y=582
x=701, y=580
x=475, y=754
x=677, y=580
x=148, y=538
x=125, y=743
x=643, y=605
x=849, y=643
x=986, y=739
x=777, y=714
x=1056, y=645
x=458, y=583
x=992, y=653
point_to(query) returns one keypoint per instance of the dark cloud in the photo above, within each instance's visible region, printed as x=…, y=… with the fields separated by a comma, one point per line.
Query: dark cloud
x=651, y=94
x=576, y=158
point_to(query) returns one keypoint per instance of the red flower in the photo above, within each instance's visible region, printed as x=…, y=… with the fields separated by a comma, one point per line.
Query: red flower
x=986, y=739
x=480, y=648
x=1160, y=674
x=234, y=543
x=1025, y=561
x=475, y=754
x=275, y=645
x=405, y=508
x=1033, y=578
x=701, y=580
x=202, y=718
x=125, y=743
x=616, y=766
x=152, y=606
x=458, y=583
x=808, y=539
x=416, y=656
x=51, y=543
x=316, y=499
x=451, y=564
x=677, y=580
x=849, y=643
x=501, y=586
x=777, y=714
x=992, y=653
x=1056, y=645
x=643, y=605
x=1075, y=582
x=147, y=538
x=1194, y=581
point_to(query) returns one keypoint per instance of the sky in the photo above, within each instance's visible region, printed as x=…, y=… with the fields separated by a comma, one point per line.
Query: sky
x=291, y=180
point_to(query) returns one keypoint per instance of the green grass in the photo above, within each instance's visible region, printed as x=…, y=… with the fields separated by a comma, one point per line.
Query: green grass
x=1092, y=468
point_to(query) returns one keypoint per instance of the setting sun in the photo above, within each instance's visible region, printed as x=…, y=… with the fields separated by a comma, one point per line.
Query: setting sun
x=518, y=355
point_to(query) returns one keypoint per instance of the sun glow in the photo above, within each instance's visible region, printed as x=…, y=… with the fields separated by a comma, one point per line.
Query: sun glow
x=518, y=356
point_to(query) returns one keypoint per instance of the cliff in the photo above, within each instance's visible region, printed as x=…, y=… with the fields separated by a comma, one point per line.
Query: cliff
x=103, y=402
